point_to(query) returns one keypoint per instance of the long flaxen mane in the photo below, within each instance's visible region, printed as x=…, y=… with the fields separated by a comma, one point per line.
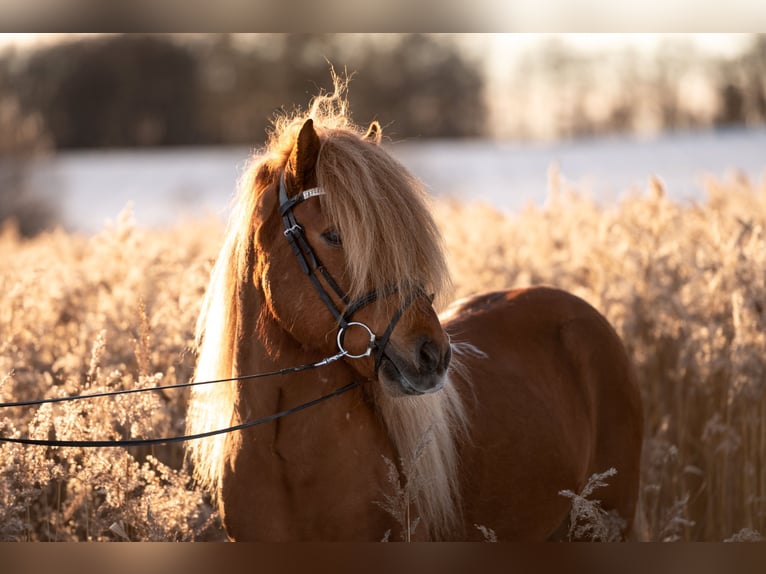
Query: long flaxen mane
x=389, y=235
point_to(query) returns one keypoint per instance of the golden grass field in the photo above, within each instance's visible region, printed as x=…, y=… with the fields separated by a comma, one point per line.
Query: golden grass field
x=683, y=284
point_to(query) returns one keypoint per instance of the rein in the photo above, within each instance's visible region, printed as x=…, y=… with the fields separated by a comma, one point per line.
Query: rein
x=286, y=371
x=179, y=438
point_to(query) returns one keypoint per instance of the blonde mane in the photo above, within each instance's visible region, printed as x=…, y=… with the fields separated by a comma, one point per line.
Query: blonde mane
x=365, y=189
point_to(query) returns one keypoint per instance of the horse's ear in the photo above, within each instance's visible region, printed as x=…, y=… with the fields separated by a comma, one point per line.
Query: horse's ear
x=303, y=158
x=374, y=133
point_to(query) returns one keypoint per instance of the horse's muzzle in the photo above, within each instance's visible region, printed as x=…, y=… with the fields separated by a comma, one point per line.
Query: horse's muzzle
x=426, y=373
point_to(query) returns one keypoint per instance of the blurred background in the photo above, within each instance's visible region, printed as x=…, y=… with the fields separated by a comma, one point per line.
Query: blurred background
x=91, y=122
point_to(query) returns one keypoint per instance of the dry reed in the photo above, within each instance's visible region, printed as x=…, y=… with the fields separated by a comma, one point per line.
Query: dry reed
x=684, y=285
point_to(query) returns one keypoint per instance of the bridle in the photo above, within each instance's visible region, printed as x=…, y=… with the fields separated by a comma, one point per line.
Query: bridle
x=311, y=265
x=313, y=268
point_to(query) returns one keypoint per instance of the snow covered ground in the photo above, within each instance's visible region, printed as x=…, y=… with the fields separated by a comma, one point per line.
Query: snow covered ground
x=166, y=185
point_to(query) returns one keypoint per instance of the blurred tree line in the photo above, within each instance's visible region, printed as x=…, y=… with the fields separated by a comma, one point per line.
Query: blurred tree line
x=573, y=93
x=23, y=138
x=138, y=90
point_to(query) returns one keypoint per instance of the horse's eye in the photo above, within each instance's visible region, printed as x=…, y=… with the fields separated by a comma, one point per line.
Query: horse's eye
x=332, y=238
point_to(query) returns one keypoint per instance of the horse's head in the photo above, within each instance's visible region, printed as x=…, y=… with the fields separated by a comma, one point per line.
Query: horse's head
x=350, y=258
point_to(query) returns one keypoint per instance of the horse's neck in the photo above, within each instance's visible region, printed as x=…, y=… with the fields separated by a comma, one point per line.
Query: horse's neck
x=296, y=472
x=264, y=346
x=279, y=392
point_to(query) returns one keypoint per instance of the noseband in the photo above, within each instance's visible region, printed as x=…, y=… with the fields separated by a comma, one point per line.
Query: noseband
x=313, y=268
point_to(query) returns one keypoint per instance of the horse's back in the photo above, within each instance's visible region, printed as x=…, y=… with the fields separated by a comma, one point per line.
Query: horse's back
x=552, y=399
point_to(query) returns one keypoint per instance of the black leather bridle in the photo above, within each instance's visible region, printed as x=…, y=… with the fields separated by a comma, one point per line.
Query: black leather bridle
x=313, y=268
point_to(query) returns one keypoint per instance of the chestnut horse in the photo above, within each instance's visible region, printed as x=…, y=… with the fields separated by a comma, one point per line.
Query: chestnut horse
x=480, y=417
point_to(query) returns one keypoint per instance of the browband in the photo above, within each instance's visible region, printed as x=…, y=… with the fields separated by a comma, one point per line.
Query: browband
x=313, y=192
x=287, y=204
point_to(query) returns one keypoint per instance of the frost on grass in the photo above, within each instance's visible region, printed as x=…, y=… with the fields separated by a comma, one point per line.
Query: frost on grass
x=746, y=535
x=587, y=520
x=682, y=284
x=400, y=502
x=488, y=534
x=675, y=523
x=83, y=315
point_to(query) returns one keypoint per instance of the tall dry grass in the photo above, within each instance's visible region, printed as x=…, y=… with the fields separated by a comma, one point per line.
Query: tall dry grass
x=83, y=315
x=684, y=285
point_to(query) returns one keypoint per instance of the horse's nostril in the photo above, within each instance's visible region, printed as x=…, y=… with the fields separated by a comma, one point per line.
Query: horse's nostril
x=429, y=356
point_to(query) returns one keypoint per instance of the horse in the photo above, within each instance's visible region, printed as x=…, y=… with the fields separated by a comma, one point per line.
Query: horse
x=449, y=426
